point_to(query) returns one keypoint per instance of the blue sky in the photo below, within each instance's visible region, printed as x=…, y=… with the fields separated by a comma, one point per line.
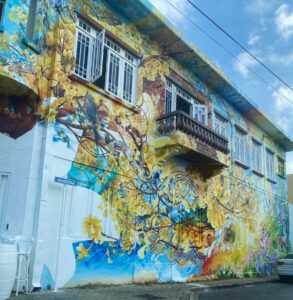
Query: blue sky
x=265, y=27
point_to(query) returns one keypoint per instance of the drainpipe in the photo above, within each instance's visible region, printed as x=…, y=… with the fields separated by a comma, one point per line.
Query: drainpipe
x=38, y=202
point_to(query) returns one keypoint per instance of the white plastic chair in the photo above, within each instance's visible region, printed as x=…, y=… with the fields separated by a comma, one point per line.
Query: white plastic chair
x=24, y=246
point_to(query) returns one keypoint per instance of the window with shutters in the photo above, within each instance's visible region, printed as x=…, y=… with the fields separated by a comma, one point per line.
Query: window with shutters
x=256, y=156
x=2, y=6
x=270, y=166
x=220, y=125
x=176, y=99
x=281, y=167
x=240, y=146
x=103, y=62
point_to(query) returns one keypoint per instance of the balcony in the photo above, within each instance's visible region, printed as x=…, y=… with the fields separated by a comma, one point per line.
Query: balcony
x=183, y=137
x=18, y=106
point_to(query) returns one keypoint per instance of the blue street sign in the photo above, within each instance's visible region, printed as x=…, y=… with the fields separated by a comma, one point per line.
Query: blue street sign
x=65, y=181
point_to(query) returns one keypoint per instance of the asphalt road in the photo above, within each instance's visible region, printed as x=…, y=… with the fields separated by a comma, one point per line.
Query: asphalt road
x=260, y=291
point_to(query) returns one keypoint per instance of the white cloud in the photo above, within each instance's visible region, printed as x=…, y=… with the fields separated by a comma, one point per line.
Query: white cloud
x=285, y=60
x=280, y=103
x=253, y=39
x=244, y=62
x=283, y=109
x=259, y=7
x=284, y=21
x=170, y=12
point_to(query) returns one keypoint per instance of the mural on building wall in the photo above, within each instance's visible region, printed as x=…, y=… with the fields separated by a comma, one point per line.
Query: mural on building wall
x=168, y=222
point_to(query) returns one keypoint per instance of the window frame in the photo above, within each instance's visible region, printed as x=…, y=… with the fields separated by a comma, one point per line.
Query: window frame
x=124, y=57
x=243, y=161
x=84, y=29
x=176, y=91
x=283, y=161
x=258, y=169
x=121, y=77
x=220, y=120
x=3, y=3
x=270, y=176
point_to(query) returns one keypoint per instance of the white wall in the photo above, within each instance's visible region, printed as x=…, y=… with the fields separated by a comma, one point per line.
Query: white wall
x=20, y=160
x=54, y=251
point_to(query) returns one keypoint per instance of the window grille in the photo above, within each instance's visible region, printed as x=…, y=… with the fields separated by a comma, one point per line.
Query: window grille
x=83, y=50
x=98, y=56
x=113, y=73
x=120, y=68
x=128, y=81
x=270, y=166
x=240, y=146
x=256, y=156
x=220, y=125
x=168, y=103
x=201, y=113
x=113, y=46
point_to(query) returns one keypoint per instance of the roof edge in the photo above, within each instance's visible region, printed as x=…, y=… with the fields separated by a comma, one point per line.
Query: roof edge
x=259, y=118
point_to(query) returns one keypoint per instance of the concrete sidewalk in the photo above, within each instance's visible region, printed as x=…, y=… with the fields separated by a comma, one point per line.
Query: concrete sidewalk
x=180, y=291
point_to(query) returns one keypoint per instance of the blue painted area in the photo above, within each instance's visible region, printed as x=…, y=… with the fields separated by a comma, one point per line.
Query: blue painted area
x=126, y=266
x=47, y=282
x=89, y=177
x=11, y=19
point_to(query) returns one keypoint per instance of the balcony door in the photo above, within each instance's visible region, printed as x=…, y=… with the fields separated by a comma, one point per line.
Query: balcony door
x=179, y=100
x=183, y=105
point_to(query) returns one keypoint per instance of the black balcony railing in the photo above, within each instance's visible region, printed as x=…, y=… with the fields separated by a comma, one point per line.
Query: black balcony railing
x=179, y=120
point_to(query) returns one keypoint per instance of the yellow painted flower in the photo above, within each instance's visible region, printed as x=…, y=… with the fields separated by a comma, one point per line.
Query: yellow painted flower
x=50, y=40
x=82, y=251
x=93, y=228
x=110, y=261
x=218, y=191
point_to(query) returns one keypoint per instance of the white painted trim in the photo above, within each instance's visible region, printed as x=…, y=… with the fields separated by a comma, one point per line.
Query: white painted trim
x=4, y=207
x=121, y=77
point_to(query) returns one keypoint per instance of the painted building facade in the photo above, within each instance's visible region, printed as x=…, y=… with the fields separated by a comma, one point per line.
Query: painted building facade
x=127, y=155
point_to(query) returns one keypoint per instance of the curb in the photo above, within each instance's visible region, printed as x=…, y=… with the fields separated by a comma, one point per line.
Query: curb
x=227, y=285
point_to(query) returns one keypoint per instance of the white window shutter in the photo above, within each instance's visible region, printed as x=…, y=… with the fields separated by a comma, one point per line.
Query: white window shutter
x=201, y=113
x=128, y=82
x=114, y=73
x=98, y=56
x=83, y=43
